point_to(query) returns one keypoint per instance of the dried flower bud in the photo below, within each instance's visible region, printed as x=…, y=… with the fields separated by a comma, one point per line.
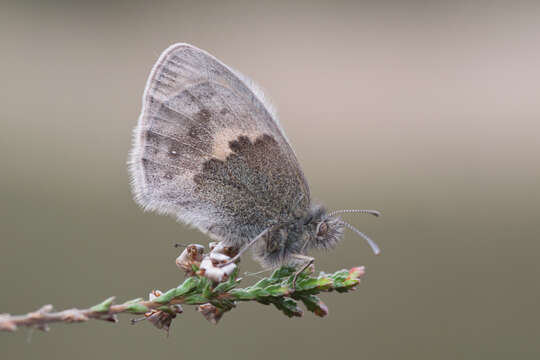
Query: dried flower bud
x=210, y=312
x=218, y=247
x=192, y=255
x=161, y=319
x=217, y=274
x=154, y=294
x=321, y=309
x=218, y=258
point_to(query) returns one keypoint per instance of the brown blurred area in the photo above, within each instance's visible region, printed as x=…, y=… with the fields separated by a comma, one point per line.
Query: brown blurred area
x=427, y=111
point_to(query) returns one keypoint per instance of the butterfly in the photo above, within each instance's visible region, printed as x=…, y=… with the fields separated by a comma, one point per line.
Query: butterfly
x=209, y=150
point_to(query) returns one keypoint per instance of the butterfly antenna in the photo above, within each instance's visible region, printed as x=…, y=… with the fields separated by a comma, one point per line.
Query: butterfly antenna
x=177, y=245
x=371, y=243
x=371, y=212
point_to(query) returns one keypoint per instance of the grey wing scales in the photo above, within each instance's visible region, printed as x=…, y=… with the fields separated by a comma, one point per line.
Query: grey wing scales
x=208, y=151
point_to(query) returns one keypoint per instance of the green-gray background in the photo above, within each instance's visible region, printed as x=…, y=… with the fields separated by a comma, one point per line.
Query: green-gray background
x=427, y=111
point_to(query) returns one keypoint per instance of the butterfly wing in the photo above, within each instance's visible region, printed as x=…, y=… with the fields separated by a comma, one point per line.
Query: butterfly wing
x=208, y=151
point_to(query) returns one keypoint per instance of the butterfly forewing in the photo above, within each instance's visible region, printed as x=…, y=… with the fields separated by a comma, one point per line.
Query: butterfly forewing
x=208, y=150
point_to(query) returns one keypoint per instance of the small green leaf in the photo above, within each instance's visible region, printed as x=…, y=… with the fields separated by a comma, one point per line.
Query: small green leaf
x=189, y=284
x=195, y=299
x=282, y=272
x=341, y=273
x=259, y=293
x=104, y=306
x=223, y=304
x=206, y=286
x=227, y=285
x=166, y=297
x=277, y=290
x=136, y=308
x=242, y=294
x=339, y=276
x=314, y=304
x=288, y=306
x=312, y=283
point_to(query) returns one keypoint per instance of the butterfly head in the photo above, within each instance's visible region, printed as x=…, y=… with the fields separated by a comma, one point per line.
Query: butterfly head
x=324, y=230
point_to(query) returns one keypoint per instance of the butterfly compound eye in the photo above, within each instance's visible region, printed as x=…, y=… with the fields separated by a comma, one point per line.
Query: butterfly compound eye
x=323, y=229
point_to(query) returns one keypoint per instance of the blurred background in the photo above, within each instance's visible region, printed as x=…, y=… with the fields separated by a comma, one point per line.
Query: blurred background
x=425, y=110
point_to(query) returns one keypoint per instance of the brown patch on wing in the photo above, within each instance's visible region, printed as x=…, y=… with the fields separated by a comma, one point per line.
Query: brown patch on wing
x=253, y=187
x=221, y=143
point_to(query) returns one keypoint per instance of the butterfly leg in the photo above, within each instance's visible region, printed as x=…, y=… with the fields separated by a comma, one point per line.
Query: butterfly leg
x=244, y=248
x=307, y=260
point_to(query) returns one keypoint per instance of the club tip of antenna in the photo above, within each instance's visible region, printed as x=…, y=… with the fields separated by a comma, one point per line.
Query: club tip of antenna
x=374, y=247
